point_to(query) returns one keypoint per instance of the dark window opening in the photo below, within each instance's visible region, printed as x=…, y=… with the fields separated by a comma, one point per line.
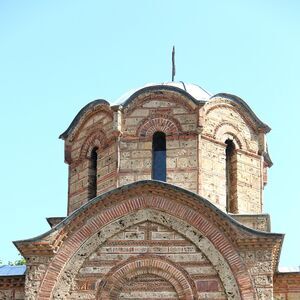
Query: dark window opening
x=159, y=167
x=92, y=176
x=231, y=178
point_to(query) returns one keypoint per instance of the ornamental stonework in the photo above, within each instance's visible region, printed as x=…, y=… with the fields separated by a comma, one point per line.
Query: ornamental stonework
x=198, y=233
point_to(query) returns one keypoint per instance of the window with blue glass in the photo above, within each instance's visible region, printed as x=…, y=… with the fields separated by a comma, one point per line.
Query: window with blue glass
x=159, y=166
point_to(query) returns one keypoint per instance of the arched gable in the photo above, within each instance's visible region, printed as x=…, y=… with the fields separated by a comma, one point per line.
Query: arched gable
x=243, y=108
x=196, y=218
x=216, y=234
x=228, y=277
x=226, y=116
x=165, y=107
x=161, y=92
x=85, y=115
x=92, y=126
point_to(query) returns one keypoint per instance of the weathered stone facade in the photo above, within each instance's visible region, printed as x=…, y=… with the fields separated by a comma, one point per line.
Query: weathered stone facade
x=196, y=132
x=12, y=287
x=199, y=235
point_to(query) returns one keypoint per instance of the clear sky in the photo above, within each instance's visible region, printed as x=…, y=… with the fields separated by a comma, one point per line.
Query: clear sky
x=56, y=56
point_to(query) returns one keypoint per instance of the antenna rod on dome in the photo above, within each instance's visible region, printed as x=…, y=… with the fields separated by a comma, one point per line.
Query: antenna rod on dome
x=173, y=64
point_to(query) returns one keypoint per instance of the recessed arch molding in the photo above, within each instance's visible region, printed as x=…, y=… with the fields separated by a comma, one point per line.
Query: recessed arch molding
x=111, y=286
x=99, y=220
x=158, y=122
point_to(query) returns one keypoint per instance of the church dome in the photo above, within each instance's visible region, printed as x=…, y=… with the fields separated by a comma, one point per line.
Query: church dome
x=197, y=92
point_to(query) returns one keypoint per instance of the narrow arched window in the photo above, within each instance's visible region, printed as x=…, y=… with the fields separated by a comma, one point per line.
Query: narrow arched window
x=231, y=178
x=159, y=166
x=92, y=174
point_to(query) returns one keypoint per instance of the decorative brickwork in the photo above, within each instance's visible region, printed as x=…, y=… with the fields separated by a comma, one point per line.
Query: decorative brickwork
x=97, y=113
x=225, y=131
x=158, y=122
x=159, y=98
x=195, y=133
x=97, y=139
x=93, y=130
x=287, y=286
x=200, y=265
x=107, y=224
x=223, y=119
x=112, y=285
x=145, y=239
x=12, y=288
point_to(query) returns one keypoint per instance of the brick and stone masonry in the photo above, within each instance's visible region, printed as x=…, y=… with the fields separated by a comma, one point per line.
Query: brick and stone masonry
x=199, y=235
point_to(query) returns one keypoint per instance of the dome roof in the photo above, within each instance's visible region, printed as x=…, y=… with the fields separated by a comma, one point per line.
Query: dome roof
x=194, y=90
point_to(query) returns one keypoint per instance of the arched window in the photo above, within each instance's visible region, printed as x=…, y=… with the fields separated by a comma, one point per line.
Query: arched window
x=159, y=167
x=231, y=177
x=92, y=174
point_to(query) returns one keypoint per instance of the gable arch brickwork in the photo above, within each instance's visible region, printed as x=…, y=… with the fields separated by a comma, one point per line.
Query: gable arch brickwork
x=222, y=119
x=212, y=235
x=219, y=263
x=79, y=170
x=92, y=128
x=148, y=99
x=244, y=261
x=96, y=139
x=172, y=114
x=216, y=114
x=111, y=286
x=224, y=103
x=158, y=122
x=181, y=110
x=226, y=131
x=195, y=160
x=99, y=114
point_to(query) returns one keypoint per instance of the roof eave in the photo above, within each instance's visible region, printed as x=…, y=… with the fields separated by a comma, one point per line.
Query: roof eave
x=157, y=88
x=66, y=133
x=124, y=188
x=261, y=125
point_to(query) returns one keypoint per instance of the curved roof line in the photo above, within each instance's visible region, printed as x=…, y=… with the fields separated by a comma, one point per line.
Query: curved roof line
x=152, y=88
x=161, y=87
x=242, y=103
x=154, y=183
x=66, y=133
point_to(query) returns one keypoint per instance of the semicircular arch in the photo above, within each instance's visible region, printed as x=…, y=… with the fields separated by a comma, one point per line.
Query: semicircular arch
x=111, y=285
x=96, y=139
x=226, y=131
x=158, y=122
x=228, y=264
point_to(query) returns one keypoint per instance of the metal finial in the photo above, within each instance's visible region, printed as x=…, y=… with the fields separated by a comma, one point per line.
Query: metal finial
x=173, y=64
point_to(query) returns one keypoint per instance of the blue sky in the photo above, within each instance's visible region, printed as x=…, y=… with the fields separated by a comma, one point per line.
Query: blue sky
x=56, y=56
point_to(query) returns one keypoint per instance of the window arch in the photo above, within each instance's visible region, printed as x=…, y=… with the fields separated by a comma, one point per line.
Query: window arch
x=159, y=165
x=92, y=174
x=231, y=177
